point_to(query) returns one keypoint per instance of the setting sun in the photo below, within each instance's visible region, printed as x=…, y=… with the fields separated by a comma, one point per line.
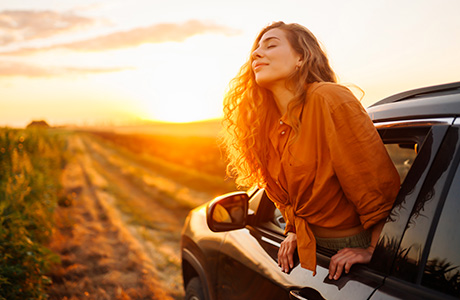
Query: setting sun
x=184, y=83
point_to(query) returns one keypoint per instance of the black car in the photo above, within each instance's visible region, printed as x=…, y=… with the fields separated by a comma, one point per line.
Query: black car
x=229, y=246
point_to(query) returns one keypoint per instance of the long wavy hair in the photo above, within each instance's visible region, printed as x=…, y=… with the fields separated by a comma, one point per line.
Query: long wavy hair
x=250, y=110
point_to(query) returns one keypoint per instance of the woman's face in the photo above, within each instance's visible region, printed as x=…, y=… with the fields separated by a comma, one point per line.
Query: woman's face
x=274, y=60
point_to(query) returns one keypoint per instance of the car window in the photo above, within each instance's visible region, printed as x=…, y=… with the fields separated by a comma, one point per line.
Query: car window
x=403, y=156
x=442, y=270
x=403, y=145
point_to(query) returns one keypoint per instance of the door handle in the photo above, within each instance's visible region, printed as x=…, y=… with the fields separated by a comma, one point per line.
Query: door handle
x=306, y=293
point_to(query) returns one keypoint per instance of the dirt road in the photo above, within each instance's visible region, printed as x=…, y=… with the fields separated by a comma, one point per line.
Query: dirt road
x=118, y=227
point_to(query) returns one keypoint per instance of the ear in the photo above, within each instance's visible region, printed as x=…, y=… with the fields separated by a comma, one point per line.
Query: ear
x=299, y=63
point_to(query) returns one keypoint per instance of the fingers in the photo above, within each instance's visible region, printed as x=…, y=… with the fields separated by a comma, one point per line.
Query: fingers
x=342, y=261
x=284, y=256
x=337, y=265
x=291, y=259
x=281, y=257
x=345, y=258
x=286, y=253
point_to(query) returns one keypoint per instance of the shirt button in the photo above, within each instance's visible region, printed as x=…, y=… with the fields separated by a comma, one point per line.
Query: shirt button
x=283, y=132
x=281, y=122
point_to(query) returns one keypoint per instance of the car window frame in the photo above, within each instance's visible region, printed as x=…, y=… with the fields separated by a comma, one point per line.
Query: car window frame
x=393, y=230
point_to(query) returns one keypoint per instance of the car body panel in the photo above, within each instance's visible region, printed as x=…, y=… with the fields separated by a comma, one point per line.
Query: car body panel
x=417, y=108
x=434, y=101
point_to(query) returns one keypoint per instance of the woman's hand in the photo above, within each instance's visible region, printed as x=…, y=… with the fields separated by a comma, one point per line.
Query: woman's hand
x=347, y=257
x=286, y=252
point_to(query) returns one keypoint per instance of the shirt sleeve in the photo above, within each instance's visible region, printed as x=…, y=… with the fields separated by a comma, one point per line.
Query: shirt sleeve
x=360, y=161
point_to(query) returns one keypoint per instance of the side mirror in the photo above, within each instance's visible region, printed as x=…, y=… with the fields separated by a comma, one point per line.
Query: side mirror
x=228, y=212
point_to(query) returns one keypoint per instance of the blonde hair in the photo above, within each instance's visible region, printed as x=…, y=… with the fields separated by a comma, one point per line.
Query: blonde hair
x=250, y=110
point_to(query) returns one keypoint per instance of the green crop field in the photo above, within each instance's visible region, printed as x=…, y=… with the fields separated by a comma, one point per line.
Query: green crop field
x=30, y=164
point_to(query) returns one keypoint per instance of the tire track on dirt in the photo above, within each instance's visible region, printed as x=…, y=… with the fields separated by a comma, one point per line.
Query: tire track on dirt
x=152, y=217
x=99, y=257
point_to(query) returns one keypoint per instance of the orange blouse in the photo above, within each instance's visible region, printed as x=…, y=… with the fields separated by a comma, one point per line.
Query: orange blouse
x=336, y=175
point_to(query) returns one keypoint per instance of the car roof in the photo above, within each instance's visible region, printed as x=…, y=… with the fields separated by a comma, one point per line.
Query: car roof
x=428, y=102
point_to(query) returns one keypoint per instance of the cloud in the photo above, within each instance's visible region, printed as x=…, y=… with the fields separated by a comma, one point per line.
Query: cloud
x=25, y=25
x=10, y=69
x=158, y=33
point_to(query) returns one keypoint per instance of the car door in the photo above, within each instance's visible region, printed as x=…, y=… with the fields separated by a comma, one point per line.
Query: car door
x=426, y=261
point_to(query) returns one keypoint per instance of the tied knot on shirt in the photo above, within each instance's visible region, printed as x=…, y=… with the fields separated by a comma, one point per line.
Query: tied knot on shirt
x=306, y=240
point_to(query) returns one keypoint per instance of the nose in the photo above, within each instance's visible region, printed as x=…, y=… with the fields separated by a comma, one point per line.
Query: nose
x=257, y=53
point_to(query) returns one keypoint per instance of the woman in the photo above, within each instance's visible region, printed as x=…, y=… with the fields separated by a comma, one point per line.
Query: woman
x=291, y=129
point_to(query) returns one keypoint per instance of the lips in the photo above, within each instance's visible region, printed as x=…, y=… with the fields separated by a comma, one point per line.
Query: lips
x=258, y=65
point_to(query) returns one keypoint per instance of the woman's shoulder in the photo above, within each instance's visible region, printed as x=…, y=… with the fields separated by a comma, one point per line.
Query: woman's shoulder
x=330, y=94
x=327, y=89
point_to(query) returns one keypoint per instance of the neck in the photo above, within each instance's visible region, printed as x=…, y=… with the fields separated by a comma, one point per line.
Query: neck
x=283, y=97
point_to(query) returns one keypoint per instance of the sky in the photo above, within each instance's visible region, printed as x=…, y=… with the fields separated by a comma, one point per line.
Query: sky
x=114, y=62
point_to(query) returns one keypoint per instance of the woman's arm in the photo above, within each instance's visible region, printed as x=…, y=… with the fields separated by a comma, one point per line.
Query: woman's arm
x=364, y=169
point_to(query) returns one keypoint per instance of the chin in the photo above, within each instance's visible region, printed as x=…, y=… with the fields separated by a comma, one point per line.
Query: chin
x=263, y=82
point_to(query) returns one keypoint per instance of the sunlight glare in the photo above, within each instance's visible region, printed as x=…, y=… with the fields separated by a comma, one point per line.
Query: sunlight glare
x=186, y=83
